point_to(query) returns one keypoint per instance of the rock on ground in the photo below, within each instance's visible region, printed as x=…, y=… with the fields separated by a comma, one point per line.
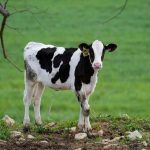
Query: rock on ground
x=78, y=149
x=21, y=139
x=134, y=135
x=2, y=142
x=73, y=129
x=144, y=143
x=49, y=125
x=29, y=136
x=15, y=134
x=125, y=116
x=80, y=136
x=105, y=141
x=44, y=142
x=100, y=132
x=9, y=121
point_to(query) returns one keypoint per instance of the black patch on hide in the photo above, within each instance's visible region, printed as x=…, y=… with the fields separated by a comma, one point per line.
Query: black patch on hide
x=45, y=56
x=64, y=69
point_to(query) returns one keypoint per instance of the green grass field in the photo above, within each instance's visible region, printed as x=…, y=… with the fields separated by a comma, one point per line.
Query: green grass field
x=124, y=82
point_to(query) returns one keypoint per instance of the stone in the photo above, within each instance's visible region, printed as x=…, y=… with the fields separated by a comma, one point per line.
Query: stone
x=29, y=136
x=80, y=136
x=44, y=142
x=49, y=125
x=21, y=139
x=73, y=129
x=144, y=143
x=66, y=129
x=15, y=134
x=3, y=142
x=100, y=132
x=78, y=149
x=124, y=116
x=134, y=135
x=105, y=141
x=18, y=142
x=9, y=121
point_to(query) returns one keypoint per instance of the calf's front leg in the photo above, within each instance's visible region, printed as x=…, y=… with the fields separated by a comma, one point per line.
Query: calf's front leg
x=37, y=102
x=84, y=122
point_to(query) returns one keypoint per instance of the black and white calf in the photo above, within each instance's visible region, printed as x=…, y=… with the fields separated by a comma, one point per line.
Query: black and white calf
x=62, y=68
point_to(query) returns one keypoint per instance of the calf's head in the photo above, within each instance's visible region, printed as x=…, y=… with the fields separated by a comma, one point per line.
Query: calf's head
x=96, y=52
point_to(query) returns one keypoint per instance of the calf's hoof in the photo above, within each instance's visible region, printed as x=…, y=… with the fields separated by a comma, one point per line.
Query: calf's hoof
x=26, y=128
x=83, y=128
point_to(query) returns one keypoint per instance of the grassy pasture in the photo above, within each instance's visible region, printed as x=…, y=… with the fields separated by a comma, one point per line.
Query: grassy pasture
x=124, y=82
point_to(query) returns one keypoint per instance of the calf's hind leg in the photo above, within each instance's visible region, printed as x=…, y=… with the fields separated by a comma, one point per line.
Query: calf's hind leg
x=37, y=102
x=28, y=92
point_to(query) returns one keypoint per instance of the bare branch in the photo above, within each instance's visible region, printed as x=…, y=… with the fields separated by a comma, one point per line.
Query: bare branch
x=1, y=35
x=20, y=11
x=116, y=15
x=13, y=64
x=15, y=28
x=5, y=14
x=5, y=4
x=29, y=11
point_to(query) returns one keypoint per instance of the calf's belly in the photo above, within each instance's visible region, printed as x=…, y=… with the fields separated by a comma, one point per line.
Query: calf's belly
x=46, y=80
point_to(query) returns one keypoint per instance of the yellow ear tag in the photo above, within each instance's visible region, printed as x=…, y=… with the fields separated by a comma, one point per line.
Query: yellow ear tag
x=85, y=52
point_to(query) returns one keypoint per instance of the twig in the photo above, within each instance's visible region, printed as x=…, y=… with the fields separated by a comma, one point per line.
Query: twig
x=13, y=64
x=116, y=15
x=29, y=11
x=5, y=3
x=15, y=28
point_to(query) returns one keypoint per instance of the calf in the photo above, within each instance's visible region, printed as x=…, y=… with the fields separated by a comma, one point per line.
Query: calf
x=62, y=68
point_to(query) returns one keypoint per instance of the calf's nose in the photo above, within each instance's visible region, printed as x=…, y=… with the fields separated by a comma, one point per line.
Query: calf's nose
x=97, y=65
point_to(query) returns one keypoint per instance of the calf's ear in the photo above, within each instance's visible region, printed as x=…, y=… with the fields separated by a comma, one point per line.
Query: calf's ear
x=110, y=47
x=83, y=46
